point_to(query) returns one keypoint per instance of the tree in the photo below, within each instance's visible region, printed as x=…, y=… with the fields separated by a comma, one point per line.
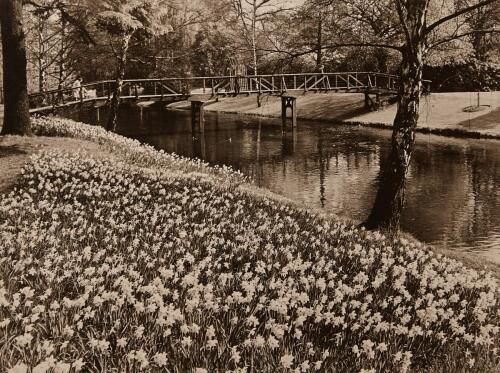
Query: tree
x=56, y=30
x=212, y=52
x=407, y=27
x=251, y=16
x=482, y=18
x=317, y=24
x=16, y=110
x=122, y=20
x=413, y=17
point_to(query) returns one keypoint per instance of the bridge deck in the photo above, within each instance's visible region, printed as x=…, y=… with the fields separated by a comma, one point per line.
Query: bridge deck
x=184, y=88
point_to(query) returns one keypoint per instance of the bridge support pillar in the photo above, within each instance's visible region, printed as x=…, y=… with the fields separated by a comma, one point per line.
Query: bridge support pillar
x=288, y=102
x=370, y=104
x=197, y=116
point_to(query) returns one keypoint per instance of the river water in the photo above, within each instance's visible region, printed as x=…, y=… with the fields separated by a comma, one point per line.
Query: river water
x=452, y=194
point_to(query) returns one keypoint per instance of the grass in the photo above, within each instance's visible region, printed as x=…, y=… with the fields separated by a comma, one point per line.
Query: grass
x=440, y=113
x=152, y=262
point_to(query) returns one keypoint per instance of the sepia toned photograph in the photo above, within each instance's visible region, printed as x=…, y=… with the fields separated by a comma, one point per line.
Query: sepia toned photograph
x=246, y=186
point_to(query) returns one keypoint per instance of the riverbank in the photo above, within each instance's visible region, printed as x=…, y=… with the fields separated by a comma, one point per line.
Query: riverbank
x=445, y=114
x=151, y=261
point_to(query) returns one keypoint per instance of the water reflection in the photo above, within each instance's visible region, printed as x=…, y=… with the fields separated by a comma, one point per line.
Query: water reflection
x=452, y=192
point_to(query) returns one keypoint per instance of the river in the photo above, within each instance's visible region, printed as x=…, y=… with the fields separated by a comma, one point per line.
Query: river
x=452, y=194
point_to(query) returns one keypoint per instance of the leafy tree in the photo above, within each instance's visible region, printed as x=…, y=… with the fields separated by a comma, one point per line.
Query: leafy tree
x=212, y=52
x=16, y=110
x=416, y=28
x=483, y=18
x=122, y=19
x=319, y=22
x=413, y=28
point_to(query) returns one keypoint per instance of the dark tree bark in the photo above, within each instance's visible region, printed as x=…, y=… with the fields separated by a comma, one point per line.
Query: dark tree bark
x=16, y=109
x=386, y=211
x=120, y=73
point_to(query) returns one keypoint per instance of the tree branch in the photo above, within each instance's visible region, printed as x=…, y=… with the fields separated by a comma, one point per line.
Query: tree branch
x=340, y=45
x=454, y=37
x=403, y=20
x=66, y=16
x=457, y=14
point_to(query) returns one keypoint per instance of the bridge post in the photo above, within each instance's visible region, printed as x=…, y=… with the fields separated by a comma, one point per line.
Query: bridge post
x=197, y=116
x=97, y=115
x=288, y=102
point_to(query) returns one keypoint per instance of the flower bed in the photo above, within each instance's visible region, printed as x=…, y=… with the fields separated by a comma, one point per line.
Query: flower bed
x=109, y=267
x=129, y=150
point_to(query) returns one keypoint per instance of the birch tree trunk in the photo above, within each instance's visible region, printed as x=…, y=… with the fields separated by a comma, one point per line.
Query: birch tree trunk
x=386, y=211
x=120, y=73
x=254, y=38
x=16, y=110
x=62, y=56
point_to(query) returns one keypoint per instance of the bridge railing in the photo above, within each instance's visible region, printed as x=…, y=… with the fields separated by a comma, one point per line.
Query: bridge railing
x=219, y=85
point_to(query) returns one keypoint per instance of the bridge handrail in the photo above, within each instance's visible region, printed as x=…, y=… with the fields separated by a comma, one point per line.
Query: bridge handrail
x=183, y=87
x=195, y=78
x=257, y=76
x=56, y=90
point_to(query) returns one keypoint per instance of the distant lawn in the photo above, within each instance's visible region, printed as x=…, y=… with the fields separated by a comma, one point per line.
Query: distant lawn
x=489, y=120
x=438, y=111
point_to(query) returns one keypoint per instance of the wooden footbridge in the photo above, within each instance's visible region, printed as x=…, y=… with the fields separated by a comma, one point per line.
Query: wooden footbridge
x=176, y=89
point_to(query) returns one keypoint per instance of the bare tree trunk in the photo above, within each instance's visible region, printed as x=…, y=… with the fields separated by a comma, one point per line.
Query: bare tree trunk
x=120, y=73
x=386, y=211
x=254, y=50
x=41, y=79
x=254, y=37
x=319, y=42
x=62, y=67
x=16, y=110
x=41, y=55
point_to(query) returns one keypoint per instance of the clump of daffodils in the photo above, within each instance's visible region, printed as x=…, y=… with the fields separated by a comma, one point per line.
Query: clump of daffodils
x=106, y=266
x=131, y=151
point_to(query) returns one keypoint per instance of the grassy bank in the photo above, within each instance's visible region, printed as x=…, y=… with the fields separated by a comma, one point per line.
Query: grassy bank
x=148, y=261
x=440, y=113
